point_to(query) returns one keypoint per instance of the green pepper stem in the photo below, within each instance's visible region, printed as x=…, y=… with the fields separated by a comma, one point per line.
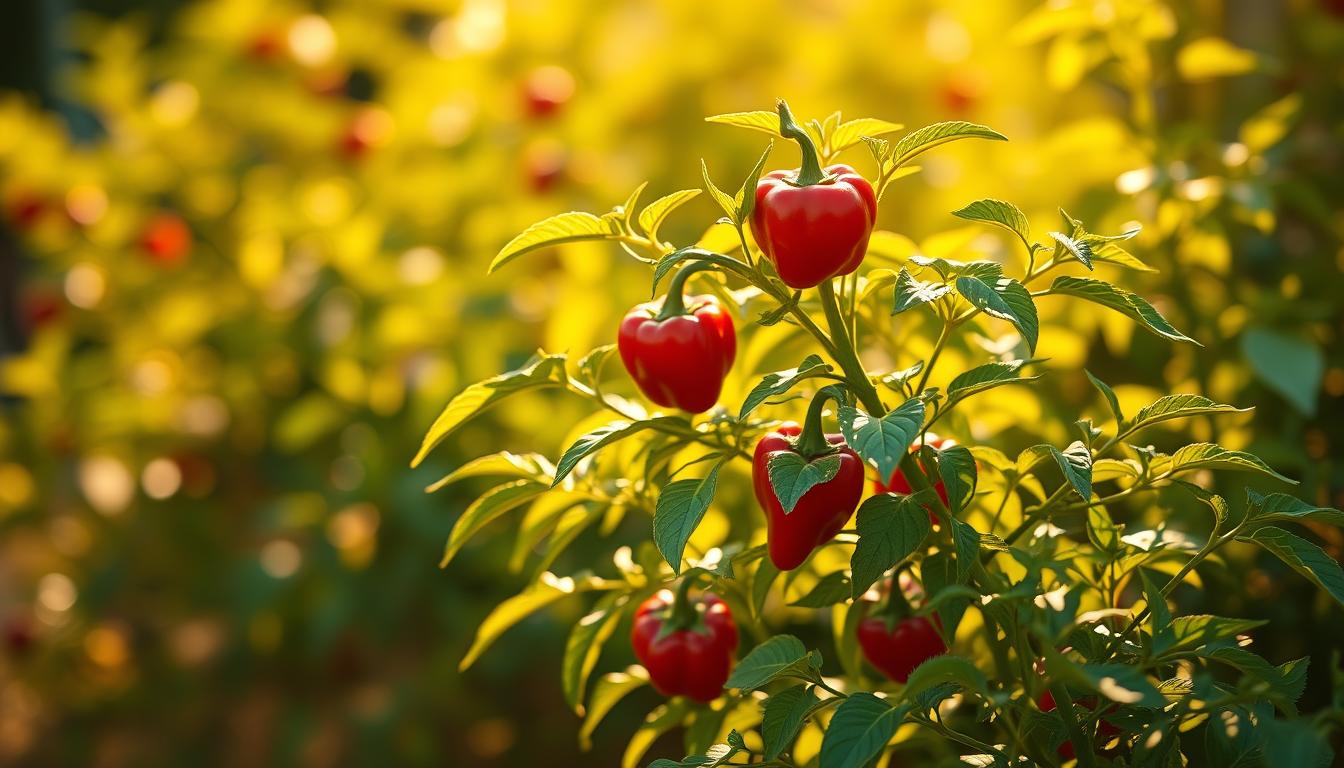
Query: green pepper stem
x=674, y=303
x=809, y=171
x=896, y=606
x=683, y=613
x=812, y=441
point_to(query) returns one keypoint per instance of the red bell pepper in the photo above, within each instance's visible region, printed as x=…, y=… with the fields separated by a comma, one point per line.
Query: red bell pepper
x=679, y=355
x=824, y=509
x=687, y=646
x=896, y=642
x=812, y=224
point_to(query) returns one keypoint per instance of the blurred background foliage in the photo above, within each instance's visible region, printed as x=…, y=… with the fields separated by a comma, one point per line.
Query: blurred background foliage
x=244, y=266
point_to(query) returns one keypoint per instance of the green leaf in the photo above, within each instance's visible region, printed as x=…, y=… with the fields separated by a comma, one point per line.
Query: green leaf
x=792, y=476
x=1109, y=394
x=859, y=731
x=890, y=527
x=882, y=442
x=758, y=120
x=956, y=468
x=779, y=382
x=1231, y=739
x=662, y=719
x=1196, y=631
x=831, y=589
x=482, y=511
x=1298, y=743
x=947, y=669
x=556, y=230
x=745, y=200
x=1079, y=249
x=728, y=204
x=1211, y=456
x=912, y=293
x=1110, y=253
x=542, y=370
x=999, y=213
x=653, y=215
x=520, y=606
x=1103, y=532
x=591, y=364
x=851, y=132
x=680, y=508
x=939, y=574
x=1133, y=306
x=1302, y=556
x=1006, y=299
x=1123, y=683
x=1159, y=615
x=1287, y=681
x=1280, y=507
x=1290, y=365
x=585, y=645
x=532, y=466
x=761, y=581
x=966, y=540
x=1178, y=407
x=919, y=141
x=607, y=693
x=602, y=437
x=766, y=661
x=1075, y=462
x=987, y=376
x=784, y=715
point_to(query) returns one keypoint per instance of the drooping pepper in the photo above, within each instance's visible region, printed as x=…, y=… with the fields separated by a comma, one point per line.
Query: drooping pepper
x=812, y=224
x=680, y=353
x=687, y=646
x=899, y=483
x=822, y=511
x=895, y=641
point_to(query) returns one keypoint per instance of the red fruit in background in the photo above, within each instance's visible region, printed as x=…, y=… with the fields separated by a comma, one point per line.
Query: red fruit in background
x=166, y=238
x=20, y=635
x=547, y=89
x=819, y=514
x=41, y=306
x=369, y=129
x=693, y=660
x=266, y=45
x=544, y=165
x=898, y=649
x=24, y=210
x=900, y=484
x=959, y=93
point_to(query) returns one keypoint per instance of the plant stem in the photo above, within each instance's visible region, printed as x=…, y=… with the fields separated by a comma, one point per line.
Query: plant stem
x=809, y=170
x=943, y=336
x=674, y=304
x=1082, y=746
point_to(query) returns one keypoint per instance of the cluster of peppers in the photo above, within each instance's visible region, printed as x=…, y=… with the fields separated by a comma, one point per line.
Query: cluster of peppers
x=812, y=225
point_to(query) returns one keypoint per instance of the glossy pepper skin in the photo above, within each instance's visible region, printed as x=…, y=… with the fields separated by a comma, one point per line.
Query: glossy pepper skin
x=680, y=353
x=813, y=224
x=694, y=661
x=898, y=647
x=819, y=514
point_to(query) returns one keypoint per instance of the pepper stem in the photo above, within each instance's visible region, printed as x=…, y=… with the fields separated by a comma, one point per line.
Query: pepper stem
x=812, y=440
x=896, y=606
x=674, y=304
x=683, y=613
x=809, y=171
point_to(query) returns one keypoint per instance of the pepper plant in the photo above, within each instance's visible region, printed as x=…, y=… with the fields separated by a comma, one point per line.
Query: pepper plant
x=981, y=606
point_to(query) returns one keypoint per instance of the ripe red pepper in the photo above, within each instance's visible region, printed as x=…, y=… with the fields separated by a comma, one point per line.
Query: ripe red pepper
x=687, y=646
x=896, y=642
x=166, y=238
x=814, y=224
x=823, y=510
x=899, y=483
x=679, y=354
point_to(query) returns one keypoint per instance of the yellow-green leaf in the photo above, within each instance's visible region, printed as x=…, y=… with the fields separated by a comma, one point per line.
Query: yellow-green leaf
x=1213, y=57
x=654, y=213
x=851, y=132
x=556, y=230
x=759, y=120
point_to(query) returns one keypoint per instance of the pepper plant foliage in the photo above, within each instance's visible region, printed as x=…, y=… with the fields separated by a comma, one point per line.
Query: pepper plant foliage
x=1060, y=643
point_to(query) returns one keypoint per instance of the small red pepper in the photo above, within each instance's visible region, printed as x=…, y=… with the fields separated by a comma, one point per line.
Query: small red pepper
x=812, y=224
x=679, y=354
x=166, y=238
x=687, y=646
x=896, y=642
x=824, y=509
